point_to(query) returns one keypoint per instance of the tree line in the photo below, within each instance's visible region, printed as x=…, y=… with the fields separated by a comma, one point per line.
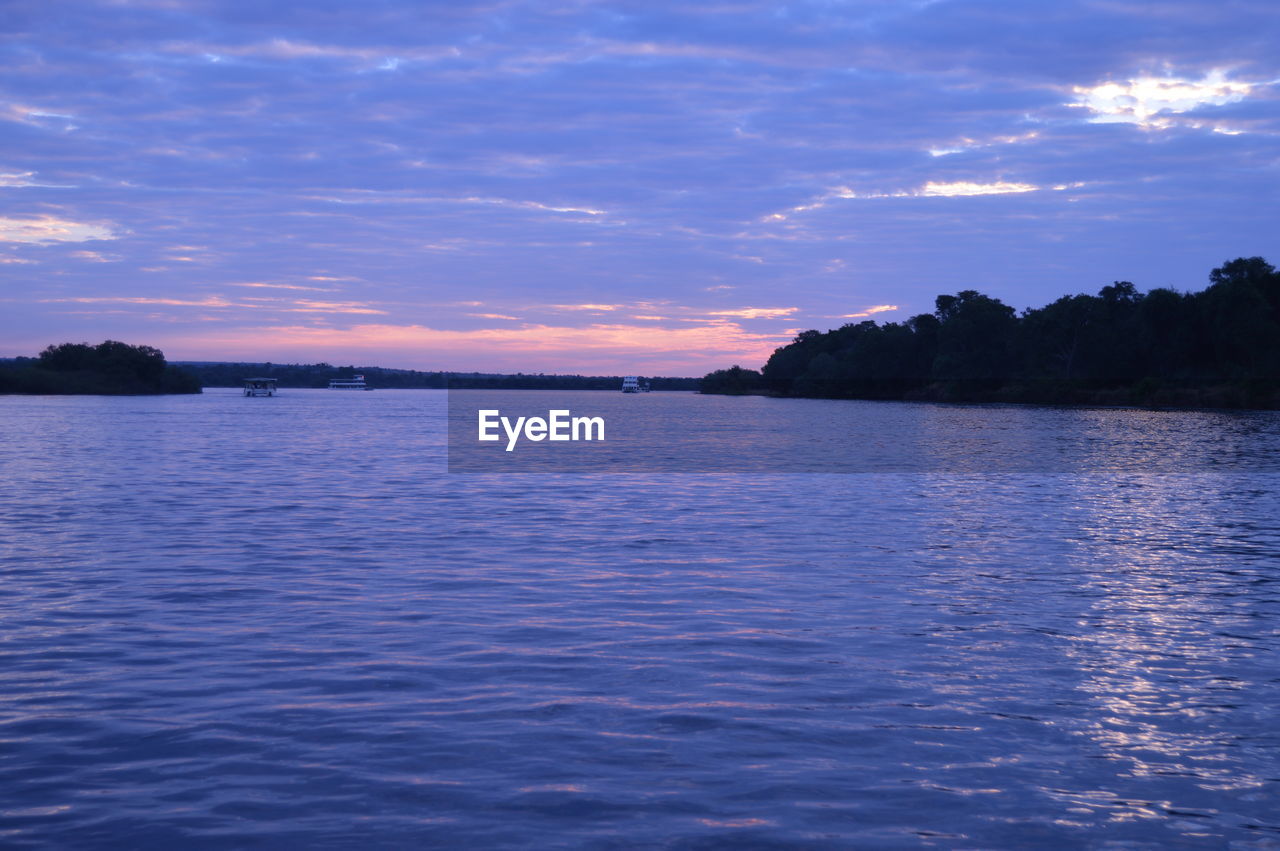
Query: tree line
x=109, y=368
x=115, y=368
x=320, y=374
x=1219, y=347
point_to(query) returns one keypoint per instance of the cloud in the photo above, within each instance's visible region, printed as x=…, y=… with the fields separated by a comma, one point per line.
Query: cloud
x=35, y=117
x=870, y=311
x=931, y=189
x=17, y=179
x=47, y=228
x=373, y=197
x=527, y=155
x=259, y=285
x=967, y=144
x=1150, y=101
x=266, y=304
x=308, y=306
x=211, y=301
x=756, y=312
x=964, y=187
x=382, y=57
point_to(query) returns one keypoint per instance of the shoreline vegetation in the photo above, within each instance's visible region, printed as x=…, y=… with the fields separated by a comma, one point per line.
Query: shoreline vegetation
x=110, y=368
x=118, y=369
x=1217, y=348
x=318, y=375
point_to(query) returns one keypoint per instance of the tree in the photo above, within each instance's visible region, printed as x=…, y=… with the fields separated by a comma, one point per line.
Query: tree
x=1051, y=336
x=973, y=337
x=734, y=381
x=1241, y=319
x=68, y=357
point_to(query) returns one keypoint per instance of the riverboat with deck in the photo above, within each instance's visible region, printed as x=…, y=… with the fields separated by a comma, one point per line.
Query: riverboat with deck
x=355, y=382
x=260, y=387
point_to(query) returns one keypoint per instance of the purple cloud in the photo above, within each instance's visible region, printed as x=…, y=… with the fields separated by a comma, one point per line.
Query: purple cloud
x=198, y=173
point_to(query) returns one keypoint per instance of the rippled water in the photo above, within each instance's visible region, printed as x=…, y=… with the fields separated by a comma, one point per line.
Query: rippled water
x=234, y=622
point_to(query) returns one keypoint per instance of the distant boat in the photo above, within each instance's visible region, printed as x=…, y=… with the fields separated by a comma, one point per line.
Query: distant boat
x=633, y=384
x=356, y=382
x=260, y=387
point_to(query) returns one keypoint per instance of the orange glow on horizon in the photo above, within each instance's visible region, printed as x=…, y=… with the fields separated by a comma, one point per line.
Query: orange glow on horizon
x=597, y=348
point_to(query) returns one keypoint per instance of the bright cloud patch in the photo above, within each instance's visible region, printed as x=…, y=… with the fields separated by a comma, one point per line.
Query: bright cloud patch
x=870, y=311
x=17, y=179
x=260, y=285
x=932, y=189
x=964, y=187
x=43, y=229
x=756, y=312
x=1148, y=101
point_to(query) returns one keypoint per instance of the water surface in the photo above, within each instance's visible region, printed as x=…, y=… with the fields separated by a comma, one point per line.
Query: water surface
x=234, y=622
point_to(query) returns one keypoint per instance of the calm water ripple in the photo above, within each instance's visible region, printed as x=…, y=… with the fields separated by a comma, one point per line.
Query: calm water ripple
x=271, y=623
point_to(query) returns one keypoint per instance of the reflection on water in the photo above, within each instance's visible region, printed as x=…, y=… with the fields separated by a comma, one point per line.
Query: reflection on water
x=655, y=433
x=279, y=622
x=1170, y=653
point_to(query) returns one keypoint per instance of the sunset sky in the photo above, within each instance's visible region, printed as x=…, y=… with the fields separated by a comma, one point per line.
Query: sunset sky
x=607, y=187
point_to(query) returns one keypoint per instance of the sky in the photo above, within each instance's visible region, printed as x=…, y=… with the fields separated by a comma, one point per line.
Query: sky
x=610, y=187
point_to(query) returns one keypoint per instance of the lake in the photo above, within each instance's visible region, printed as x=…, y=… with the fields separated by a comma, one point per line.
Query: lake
x=283, y=622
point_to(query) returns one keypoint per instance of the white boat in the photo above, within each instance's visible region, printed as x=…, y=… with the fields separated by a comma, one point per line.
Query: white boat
x=631, y=384
x=260, y=387
x=355, y=382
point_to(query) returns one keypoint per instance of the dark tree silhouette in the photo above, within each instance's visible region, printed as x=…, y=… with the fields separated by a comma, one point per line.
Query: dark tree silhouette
x=1217, y=347
x=109, y=368
x=734, y=381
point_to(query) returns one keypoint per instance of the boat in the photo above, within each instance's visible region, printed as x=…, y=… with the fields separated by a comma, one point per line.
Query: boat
x=631, y=384
x=355, y=382
x=260, y=387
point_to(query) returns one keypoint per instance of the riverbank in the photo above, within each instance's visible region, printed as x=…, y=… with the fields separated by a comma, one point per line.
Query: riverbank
x=1146, y=394
x=32, y=381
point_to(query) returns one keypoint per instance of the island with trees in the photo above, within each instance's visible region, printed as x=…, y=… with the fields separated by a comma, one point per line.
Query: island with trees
x=1219, y=347
x=110, y=368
